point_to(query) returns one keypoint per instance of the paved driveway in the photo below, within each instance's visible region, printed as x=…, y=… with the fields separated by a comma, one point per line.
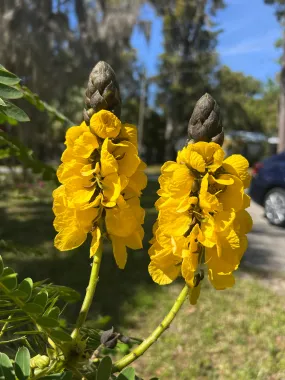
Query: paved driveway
x=266, y=249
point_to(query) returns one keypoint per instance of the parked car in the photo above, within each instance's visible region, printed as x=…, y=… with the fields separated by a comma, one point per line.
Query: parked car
x=268, y=187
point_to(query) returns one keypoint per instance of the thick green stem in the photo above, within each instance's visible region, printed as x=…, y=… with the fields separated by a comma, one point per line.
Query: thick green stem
x=140, y=350
x=90, y=291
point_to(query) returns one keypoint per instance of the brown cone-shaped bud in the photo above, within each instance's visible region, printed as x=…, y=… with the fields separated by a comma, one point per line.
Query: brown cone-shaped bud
x=102, y=92
x=205, y=123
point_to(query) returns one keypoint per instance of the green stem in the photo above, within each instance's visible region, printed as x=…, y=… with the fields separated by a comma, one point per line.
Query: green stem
x=140, y=350
x=90, y=291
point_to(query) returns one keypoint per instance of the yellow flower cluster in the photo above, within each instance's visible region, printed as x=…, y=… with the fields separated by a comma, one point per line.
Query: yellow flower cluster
x=202, y=218
x=102, y=178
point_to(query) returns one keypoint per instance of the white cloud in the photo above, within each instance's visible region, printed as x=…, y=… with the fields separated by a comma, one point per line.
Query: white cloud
x=252, y=45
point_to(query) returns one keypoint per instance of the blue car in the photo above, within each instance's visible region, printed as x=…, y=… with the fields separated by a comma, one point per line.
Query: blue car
x=268, y=188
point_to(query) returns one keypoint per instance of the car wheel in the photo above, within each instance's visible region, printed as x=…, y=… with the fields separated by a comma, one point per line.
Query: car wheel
x=274, y=206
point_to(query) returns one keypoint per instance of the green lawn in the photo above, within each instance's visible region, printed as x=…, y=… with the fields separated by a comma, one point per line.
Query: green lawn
x=233, y=334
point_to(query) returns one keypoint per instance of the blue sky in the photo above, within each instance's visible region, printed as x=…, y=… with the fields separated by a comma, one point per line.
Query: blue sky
x=246, y=44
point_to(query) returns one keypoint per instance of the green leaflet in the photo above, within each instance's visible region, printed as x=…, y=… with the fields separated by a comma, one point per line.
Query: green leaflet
x=8, y=92
x=22, y=363
x=14, y=112
x=105, y=369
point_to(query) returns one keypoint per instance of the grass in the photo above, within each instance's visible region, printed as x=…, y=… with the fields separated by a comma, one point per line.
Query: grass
x=234, y=334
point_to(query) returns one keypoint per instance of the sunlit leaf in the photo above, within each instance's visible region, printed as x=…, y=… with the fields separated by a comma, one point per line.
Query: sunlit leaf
x=53, y=313
x=8, y=78
x=41, y=299
x=26, y=286
x=2, y=103
x=6, y=368
x=9, y=278
x=14, y=112
x=127, y=374
x=22, y=363
x=8, y=92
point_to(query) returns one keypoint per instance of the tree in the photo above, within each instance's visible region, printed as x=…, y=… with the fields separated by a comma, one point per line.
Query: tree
x=280, y=13
x=188, y=61
x=234, y=91
x=53, y=45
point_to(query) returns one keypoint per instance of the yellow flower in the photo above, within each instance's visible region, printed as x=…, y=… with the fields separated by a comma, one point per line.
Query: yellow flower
x=102, y=178
x=201, y=219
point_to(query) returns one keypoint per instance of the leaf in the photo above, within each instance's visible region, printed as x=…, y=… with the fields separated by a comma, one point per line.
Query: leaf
x=60, y=335
x=47, y=322
x=127, y=374
x=8, y=78
x=6, y=368
x=41, y=299
x=53, y=313
x=105, y=369
x=14, y=112
x=9, y=278
x=65, y=293
x=22, y=363
x=8, y=92
x=27, y=332
x=33, y=308
x=2, y=103
x=18, y=293
x=1, y=266
x=58, y=376
x=26, y=286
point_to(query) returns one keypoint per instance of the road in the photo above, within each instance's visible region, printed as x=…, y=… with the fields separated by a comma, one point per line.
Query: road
x=266, y=249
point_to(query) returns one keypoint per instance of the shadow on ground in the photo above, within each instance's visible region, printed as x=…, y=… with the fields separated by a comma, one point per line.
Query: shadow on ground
x=30, y=225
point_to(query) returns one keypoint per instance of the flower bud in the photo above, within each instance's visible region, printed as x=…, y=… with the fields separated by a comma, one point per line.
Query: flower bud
x=40, y=361
x=109, y=338
x=102, y=92
x=205, y=123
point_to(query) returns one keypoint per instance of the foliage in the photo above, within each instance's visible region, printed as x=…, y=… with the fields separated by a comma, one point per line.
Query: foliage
x=26, y=303
x=8, y=111
x=52, y=46
x=188, y=61
x=12, y=114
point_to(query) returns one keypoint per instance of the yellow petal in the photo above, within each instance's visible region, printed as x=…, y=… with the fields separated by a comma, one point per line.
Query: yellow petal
x=74, y=132
x=69, y=238
x=85, y=144
x=232, y=196
x=221, y=281
x=68, y=170
x=161, y=277
x=126, y=155
x=188, y=268
x=109, y=164
x=129, y=132
x=96, y=236
x=134, y=241
x=111, y=189
x=197, y=162
x=238, y=165
x=119, y=250
x=208, y=202
x=121, y=221
x=105, y=124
